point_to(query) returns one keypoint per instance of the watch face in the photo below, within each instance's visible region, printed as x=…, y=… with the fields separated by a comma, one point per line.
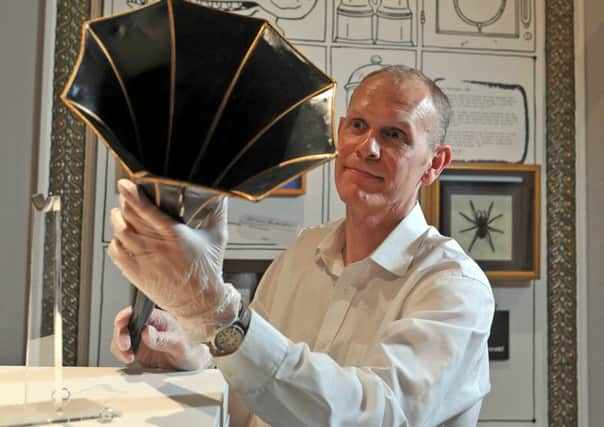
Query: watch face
x=229, y=339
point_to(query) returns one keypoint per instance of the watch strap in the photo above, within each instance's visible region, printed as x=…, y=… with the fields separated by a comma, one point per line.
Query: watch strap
x=244, y=317
x=241, y=322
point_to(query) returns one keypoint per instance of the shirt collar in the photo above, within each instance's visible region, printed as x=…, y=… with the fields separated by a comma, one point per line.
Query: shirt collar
x=394, y=254
x=330, y=248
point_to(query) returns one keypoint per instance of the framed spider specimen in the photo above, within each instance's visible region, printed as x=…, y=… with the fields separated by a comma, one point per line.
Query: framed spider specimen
x=482, y=225
x=492, y=210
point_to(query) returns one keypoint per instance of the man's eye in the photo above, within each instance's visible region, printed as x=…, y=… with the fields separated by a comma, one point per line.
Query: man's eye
x=357, y=124
x=395, y=134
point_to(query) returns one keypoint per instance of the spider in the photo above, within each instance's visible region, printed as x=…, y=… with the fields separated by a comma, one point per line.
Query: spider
x=481, y=223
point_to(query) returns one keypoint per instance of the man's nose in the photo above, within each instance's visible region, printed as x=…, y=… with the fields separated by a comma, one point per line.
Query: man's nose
x=369, y=148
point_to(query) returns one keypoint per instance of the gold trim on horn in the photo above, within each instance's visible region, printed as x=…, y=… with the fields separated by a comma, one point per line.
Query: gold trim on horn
x=75, y=108
x=334, y=132
x=300, y=54
x=224, y=101
x=125, y=12
x=295, y=160
x=267, y=193
x=172, y=25
x=123, y=87
x=157, y=194
x=76, y=66
x=202, y=207
x=265, y=129
x=144, y=176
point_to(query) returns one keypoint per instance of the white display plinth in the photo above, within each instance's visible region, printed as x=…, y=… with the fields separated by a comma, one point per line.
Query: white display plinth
x=121, y=397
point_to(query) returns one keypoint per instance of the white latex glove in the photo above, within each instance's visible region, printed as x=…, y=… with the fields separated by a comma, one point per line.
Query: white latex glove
x=163, y=343
x=178, y=267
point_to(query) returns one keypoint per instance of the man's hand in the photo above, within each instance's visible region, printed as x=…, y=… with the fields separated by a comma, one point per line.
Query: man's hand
x=177, y=267
x=164, y=344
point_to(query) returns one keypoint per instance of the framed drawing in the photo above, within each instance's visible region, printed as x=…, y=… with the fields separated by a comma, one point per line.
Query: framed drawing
x=295, y=187
x=493, y=211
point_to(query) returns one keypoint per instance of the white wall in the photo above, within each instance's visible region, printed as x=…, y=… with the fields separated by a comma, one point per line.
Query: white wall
x=20, y=22
x=594, y=68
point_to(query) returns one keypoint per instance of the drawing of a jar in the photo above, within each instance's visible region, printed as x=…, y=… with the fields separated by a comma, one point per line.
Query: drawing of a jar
x=394, y=22
x=360, y=73
x=354, y=21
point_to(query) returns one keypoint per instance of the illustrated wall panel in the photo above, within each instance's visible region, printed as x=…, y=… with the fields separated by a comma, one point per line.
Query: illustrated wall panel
x=262, y=230
x=110, y=290
x=378, y=23
x=300, y=21
x=494, y=112
x=512, y=396
x=307, y=24
x=486, y=56
x=110, y=199
x=480, y=24
x=349, y=65
x=114, y=295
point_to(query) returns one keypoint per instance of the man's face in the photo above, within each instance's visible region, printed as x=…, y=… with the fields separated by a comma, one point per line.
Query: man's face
x=383, y=145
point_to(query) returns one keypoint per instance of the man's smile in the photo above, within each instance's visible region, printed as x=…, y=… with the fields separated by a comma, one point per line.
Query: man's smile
x=362, y=173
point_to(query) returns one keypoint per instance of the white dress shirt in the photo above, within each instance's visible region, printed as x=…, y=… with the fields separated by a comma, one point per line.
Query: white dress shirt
x=397, y=339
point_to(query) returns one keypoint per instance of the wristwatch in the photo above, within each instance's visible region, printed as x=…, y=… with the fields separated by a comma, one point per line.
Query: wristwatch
x=228, y=339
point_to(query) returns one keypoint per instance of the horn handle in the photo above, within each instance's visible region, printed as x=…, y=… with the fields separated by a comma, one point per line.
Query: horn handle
x=184, y=205
x=142, y=306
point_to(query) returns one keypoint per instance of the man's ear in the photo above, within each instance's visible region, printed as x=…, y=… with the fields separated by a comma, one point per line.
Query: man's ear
x=441, y=157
